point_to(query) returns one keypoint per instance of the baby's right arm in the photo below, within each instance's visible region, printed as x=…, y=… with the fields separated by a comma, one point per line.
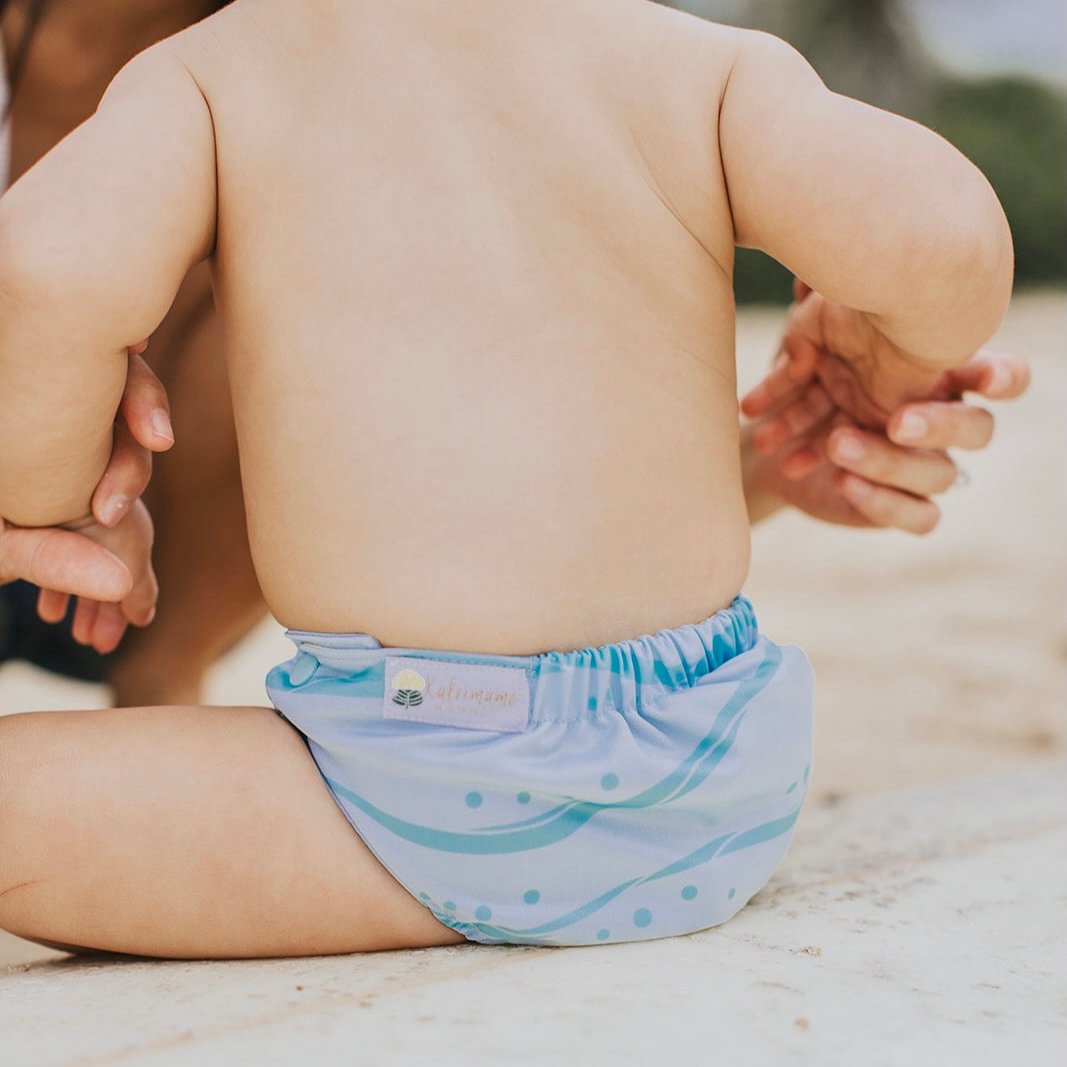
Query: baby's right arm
x=873, y=211
x=95, y=240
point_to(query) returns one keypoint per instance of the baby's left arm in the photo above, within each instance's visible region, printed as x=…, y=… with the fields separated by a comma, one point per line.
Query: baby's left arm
x=94, y=241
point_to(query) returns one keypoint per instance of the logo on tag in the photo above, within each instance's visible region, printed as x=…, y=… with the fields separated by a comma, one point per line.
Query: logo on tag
x=472, y=696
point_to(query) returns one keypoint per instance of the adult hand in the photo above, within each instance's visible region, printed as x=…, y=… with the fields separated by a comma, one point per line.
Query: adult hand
x=83, y=561
x=807, y=451
x=101, y=622
x=143, y=427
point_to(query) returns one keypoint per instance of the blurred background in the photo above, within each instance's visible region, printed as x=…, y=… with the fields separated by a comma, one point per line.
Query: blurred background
x=989, y=76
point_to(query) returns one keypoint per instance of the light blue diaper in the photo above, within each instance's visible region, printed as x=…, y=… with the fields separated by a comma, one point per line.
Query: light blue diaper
x=636, y=790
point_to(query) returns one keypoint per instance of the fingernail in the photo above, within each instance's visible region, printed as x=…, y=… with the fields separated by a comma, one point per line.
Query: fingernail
x=114, y=509
x=1000, y=379
x=850, y=447
x=912, y=427
x=161, y=426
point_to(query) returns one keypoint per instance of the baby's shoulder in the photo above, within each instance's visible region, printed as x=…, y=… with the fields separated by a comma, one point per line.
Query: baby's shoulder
x=685, y=55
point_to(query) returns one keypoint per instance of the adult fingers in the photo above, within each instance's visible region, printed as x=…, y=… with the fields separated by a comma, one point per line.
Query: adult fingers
x=62, y=560
x=943, y=424
x=140, y=606
x=993, y=374
x=921, y=473
x=145, y=407
x=81, y=628
x=802, y=461
x=108, y=628
x=812, y=449
x=52, y=605
x=888, y=508
x=127, y=474
x=811, y=406
x=785, y=377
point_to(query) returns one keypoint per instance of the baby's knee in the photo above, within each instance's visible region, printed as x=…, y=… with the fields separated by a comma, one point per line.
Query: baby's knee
x=36, y=831
x=20, y=873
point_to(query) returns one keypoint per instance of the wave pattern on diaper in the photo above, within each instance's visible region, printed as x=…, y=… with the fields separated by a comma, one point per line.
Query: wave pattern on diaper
x=719, y=846
x=692, y=771
x=564, y=820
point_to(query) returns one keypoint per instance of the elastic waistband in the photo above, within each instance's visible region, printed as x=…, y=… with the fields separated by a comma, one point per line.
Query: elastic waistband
x=562, y=685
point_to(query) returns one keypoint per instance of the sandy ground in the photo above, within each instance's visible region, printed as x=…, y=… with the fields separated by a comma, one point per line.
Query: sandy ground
x=939, y=660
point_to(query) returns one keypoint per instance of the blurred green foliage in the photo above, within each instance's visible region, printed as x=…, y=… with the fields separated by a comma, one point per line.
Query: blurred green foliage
x=1015, y=131
x=1014, y=128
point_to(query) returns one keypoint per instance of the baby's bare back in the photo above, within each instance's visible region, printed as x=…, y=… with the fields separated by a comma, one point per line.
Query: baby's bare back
x=473, y=263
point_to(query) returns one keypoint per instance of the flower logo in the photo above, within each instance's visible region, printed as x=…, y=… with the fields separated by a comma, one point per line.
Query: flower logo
x=409, y=685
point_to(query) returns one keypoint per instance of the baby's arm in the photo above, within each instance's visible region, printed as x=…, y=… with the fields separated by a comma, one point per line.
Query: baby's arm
x=94, y=242
x=873, y=211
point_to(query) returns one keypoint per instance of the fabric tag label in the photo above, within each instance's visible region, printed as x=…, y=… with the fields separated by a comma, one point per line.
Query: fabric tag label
x=473, y=696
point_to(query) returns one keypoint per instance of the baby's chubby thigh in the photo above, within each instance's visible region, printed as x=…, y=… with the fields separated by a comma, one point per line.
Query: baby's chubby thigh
x=186, y=832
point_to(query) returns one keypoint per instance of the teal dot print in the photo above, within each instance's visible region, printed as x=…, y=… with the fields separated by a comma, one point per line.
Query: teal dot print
x=732, y=893
x=531, y=896
x=449, y=905
x=609, y=781
x=482, y=913
x=424, y=896
x=807, y=770
x=523, y=797
x=791, y=788
x=474, y=800
x=688, y=892
x=642, y=917
x=592, y=704
x=602, y=934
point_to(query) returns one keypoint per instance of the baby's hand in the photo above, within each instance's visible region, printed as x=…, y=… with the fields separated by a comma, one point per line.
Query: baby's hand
x=864, y=374
x=816, y=457
x=101, y=623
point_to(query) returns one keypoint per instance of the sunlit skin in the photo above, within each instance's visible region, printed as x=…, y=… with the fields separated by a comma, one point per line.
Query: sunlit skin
x=469, y=284
x=76, y=50
x=479, y=331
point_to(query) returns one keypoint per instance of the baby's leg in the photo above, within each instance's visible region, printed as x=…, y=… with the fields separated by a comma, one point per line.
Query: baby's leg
x=186, y=832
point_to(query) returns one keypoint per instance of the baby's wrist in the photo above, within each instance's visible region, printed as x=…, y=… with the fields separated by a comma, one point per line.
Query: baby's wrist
x=80, y=523
x=919, y=346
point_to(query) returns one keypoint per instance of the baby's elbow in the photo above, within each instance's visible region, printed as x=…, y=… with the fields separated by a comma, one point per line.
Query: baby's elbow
x=982, y=255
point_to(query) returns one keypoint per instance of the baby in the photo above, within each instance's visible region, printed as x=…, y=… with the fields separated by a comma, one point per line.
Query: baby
x=490, y=460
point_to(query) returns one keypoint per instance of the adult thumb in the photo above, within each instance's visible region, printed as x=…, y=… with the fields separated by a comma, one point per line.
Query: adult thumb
x=63, y=560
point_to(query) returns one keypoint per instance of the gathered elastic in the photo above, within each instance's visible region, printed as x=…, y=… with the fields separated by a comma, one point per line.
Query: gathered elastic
x=626, y=676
